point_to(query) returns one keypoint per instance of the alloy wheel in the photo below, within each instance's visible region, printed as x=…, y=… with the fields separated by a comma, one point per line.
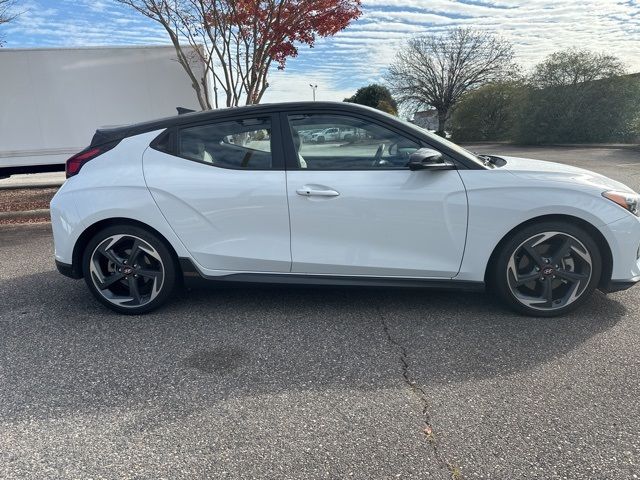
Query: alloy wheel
x=126, y=270
x=549, y=271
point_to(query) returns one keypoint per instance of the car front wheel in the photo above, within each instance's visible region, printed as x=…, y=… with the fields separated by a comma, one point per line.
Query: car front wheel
x=129, y=269
x=547, y=269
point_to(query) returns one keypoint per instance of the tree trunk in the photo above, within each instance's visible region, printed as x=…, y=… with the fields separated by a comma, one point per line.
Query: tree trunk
x=184, y=61
x=442, y=122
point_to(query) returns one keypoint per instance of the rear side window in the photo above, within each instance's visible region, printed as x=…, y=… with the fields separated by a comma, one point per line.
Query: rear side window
x=241, y=144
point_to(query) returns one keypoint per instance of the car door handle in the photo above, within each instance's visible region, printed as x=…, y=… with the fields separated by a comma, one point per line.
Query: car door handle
x=316, y=192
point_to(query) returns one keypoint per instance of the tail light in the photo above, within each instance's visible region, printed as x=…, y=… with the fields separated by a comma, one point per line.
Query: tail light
x=75, y=163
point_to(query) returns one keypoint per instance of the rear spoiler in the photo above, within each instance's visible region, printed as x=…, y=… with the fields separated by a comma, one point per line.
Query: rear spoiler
x=108, y=135
x=112, y=134
x=182, y=110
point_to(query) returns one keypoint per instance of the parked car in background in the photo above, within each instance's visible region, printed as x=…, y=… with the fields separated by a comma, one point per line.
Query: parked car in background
x=306, y=135
x=333, y=134
x=147, y=205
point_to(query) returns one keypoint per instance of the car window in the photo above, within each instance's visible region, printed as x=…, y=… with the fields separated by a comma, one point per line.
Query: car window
x=337, y=142
x=241, y=144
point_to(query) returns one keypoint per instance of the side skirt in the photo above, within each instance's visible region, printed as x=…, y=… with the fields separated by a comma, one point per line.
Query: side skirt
x=193, y=278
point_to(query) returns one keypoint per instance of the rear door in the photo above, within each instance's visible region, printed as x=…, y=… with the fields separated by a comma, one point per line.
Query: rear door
x=221, y=186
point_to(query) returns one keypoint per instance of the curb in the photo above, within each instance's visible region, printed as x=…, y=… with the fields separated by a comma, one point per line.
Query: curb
x=30, y=186
x=613, y=146
x=43, y=212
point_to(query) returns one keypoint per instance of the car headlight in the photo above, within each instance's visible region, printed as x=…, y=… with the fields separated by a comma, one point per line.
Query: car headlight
x=628, y=201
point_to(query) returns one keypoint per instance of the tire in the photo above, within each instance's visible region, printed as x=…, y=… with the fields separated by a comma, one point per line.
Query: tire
x=546, y=269
x=125, y=288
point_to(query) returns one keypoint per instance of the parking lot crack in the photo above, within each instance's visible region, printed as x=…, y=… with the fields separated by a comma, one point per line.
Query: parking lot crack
x=421, y=396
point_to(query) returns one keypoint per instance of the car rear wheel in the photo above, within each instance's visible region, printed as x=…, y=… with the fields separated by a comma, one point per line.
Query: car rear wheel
x=547, y=269
x=129, y=269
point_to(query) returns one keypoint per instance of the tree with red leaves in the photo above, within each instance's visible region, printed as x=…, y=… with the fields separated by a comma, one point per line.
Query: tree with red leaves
x=239, y=40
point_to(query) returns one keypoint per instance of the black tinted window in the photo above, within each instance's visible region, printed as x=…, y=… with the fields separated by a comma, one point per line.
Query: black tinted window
x=241, y=144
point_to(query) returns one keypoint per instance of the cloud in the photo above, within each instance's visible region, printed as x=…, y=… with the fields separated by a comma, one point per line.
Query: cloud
x=360, y=54
x=287, y=86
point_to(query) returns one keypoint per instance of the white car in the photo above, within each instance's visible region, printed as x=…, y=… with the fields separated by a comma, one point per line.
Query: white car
x=333, y=134
x=148, y=205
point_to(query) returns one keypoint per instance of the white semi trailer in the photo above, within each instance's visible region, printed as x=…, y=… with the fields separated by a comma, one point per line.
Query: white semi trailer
x=53, y=100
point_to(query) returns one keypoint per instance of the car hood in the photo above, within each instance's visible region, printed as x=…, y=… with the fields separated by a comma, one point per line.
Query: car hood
x=559, y=172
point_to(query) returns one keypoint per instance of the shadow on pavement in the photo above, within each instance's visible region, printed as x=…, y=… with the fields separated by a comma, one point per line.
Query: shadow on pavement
x=63, y=353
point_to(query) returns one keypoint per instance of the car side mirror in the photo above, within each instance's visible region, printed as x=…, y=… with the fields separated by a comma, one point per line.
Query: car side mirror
x=429, y=159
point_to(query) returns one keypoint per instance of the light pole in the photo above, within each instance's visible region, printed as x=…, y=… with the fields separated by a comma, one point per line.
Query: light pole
x=314, y=88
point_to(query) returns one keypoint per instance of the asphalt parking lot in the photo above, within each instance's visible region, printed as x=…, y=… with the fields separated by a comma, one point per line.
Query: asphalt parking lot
x=314, y=382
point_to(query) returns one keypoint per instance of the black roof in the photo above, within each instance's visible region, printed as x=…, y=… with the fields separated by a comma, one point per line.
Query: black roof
x=105, y=135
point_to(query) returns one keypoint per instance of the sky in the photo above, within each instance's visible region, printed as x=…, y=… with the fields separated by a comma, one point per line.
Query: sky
x=360, y=54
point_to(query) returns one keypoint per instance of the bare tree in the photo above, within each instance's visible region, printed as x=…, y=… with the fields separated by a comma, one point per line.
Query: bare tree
x=172, y=14
x=437, y=70
x=6, y=13
x=238, y=40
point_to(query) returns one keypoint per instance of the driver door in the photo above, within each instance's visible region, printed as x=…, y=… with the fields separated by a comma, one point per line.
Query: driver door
x=356, y=209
